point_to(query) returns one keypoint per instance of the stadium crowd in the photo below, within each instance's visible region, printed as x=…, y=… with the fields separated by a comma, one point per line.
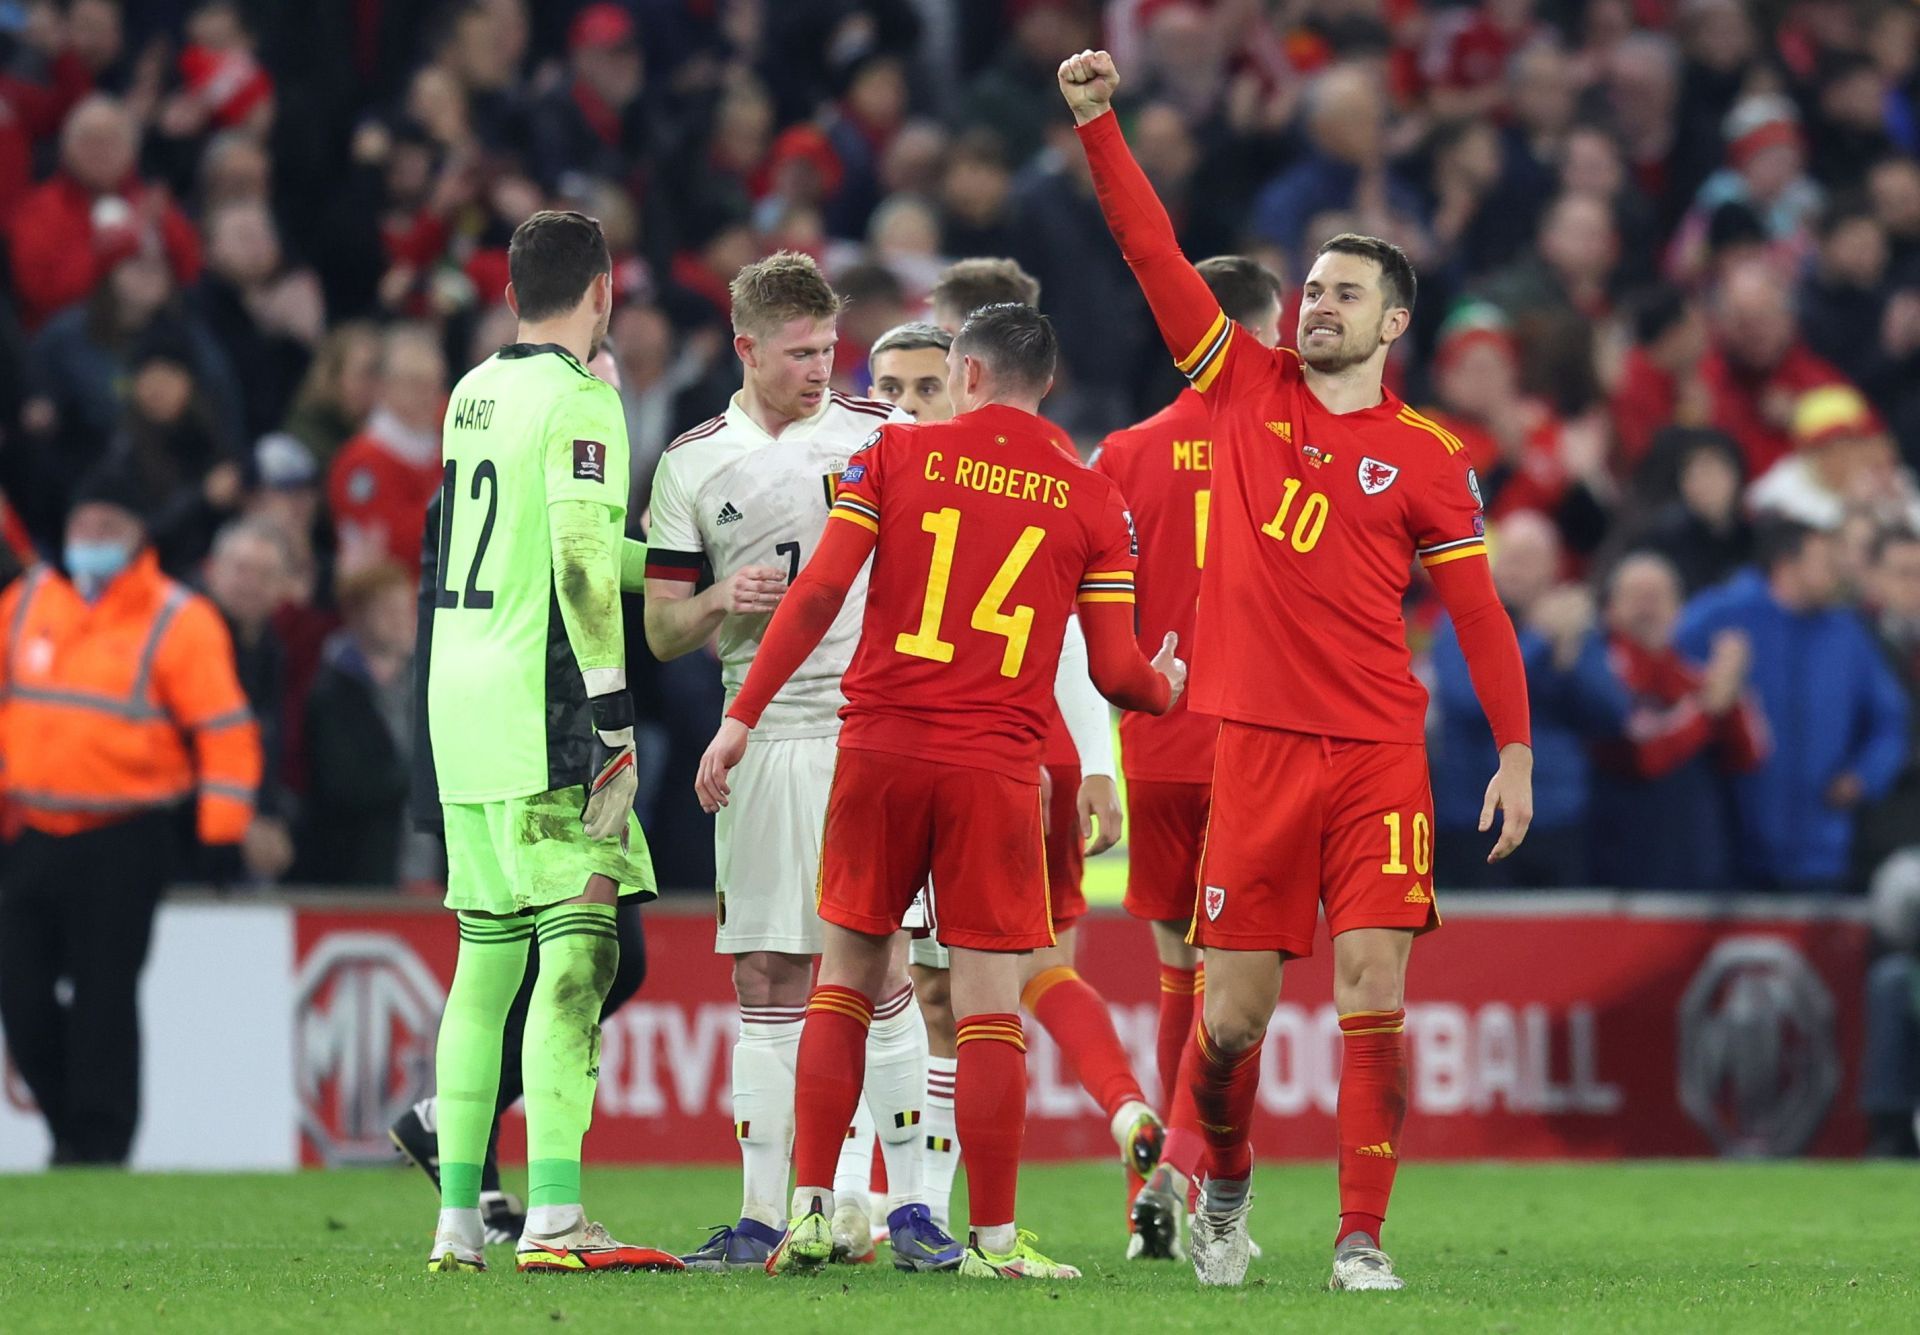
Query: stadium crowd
x=1669, y=256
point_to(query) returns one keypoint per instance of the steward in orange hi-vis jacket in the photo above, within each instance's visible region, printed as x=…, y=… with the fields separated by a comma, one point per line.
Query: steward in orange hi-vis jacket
x=118, y=704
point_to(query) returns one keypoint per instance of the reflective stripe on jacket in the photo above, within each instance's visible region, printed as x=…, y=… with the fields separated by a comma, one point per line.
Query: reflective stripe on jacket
x=121, y=705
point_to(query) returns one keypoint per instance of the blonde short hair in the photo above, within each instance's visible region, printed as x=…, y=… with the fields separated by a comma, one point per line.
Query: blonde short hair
x=785, y=286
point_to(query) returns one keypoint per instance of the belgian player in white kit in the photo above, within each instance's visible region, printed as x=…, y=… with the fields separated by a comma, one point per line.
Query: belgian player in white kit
x=747, y=494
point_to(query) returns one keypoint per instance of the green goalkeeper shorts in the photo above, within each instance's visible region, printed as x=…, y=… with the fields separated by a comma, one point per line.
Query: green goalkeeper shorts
x=529, y=852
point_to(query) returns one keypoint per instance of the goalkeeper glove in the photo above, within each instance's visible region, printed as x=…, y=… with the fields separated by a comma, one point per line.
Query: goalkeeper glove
x=611, y=790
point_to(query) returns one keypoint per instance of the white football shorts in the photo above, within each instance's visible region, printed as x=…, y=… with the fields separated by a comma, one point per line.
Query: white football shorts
x=766, y=847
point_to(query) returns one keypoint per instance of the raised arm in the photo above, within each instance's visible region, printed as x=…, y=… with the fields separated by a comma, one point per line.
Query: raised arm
x=1190, y=320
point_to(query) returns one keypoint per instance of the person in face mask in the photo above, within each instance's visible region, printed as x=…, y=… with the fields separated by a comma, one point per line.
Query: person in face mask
x=120, y=707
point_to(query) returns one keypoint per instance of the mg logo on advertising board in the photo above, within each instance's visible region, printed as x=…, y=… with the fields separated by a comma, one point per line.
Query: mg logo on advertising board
x=1759, y=1063
x=366, y=1010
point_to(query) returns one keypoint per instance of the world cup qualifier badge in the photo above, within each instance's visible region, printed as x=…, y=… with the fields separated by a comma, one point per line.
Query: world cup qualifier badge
x=590, y=460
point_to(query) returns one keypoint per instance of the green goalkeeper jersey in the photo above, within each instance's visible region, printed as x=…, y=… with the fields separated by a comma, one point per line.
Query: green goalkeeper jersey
x=506, y=703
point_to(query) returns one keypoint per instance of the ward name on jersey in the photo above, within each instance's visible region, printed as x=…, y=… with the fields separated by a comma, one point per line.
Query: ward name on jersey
x=506, y=705
x=729, y=495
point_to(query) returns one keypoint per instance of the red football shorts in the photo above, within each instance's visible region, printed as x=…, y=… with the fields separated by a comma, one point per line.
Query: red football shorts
x=1301, y=821
x=893, y=822
x=1166, y=829
x=1066, y=855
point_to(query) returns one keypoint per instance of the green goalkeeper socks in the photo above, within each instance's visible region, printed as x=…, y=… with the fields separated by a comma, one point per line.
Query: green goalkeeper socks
x=492, y=963
x=579, y=951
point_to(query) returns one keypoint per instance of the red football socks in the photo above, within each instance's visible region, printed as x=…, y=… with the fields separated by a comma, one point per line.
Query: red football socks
x=1373, y=1107
x=990, y=1112
x=1078, y=1020
x=1177, y=990
x=1224, y=1086
x=832, y=1066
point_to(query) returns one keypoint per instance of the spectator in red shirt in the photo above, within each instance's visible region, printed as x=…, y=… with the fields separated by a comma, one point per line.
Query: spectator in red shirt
x=1759, y=365
x=1659, y=384
x=382, y=479
x=69, y=233
x=1688, y=726
x=1468, y=52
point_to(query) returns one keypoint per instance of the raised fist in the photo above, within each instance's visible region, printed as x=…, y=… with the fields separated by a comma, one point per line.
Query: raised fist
x=1088, y=81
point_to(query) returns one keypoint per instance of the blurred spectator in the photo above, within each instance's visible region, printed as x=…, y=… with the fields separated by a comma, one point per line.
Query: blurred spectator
x=1576, y=700
x=69, y=233
x=875, y=303
x=378, y=485
x=266, y=318
x=1660, y=382
x=1473, y=229
x=337, y=395
x=1642, y=92
x=1543, y=96
x=597, y=122
x=975, y=192
x=1015, y=96
x=170, y=443
x=1526, y=457
x=360, y=736
x=861, y=128
x=1759, y=365
x=1556, y=295
x=1703, y=531
x=665, y=382
x=1843, y=463
x=121, y=707
x=285, y=495
x=1849, y=130
x=235, y=169
x=1766, y=172
x=1688, y=726
x=1838, y=716
x=1893, y=605
x=1344, y=166
x=247, y=577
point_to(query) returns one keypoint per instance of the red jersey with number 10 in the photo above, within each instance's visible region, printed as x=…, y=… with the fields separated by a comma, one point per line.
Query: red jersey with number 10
x=1164, y=468
x=987, y=536
x=1317, y=518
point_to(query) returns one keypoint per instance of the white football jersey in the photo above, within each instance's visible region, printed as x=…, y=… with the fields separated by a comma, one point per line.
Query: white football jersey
x=728, y=492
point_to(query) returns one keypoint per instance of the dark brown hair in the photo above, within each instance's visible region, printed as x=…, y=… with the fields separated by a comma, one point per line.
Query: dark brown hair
x=1398, y=286
x=553, y=258
x=1245, y=288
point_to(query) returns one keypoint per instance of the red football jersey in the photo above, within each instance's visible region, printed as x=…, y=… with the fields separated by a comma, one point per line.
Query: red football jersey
x=987, y=536
x=1163, y=466
x=1317, y=520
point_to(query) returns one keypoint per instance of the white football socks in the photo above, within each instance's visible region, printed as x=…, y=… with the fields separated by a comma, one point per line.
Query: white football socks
x=853, y=1174
x=940, y=1144
x=764, y=1061
x=895, y=1093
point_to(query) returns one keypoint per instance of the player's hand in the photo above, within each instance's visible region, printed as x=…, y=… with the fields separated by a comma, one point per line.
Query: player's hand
x=750, y=591
x=1099, y=797
x=1510, y=793
x=1170, y=667
x=727, y=749
x=1088, y=81
x=611, y=790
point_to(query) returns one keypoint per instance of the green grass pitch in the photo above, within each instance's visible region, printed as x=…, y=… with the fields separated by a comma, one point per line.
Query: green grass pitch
x=1484, y=1247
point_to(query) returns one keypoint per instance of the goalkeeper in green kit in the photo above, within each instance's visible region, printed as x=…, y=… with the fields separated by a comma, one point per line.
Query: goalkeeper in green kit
x=532, y=737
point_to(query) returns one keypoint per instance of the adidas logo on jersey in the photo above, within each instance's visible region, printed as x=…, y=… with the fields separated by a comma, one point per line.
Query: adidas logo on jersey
x=729, y=514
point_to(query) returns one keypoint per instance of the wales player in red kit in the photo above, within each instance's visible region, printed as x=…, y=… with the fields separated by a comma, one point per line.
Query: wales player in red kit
x=1164, y=467
x=1326, y=489
x=984, y=536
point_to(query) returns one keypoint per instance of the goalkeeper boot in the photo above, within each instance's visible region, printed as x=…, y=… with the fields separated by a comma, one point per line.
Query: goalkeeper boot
x=1157, y=1212
x=1023, y=1262
x=919, y=1243
x=502, y=1217
x=417, y=1138
x=807, y=1246
x=742, y=1246
x=1358, y=1263
x=853, y=1235
x=456, y=1245
x=586, y=1247
x=1141, y=1136
x=1218, y=1242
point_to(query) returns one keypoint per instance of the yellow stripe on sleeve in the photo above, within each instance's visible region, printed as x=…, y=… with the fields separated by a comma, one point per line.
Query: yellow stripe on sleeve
x=1205, y=379
x=854, y=517
x=1457, y=553
x=1105, y=598
x=1192, y=359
